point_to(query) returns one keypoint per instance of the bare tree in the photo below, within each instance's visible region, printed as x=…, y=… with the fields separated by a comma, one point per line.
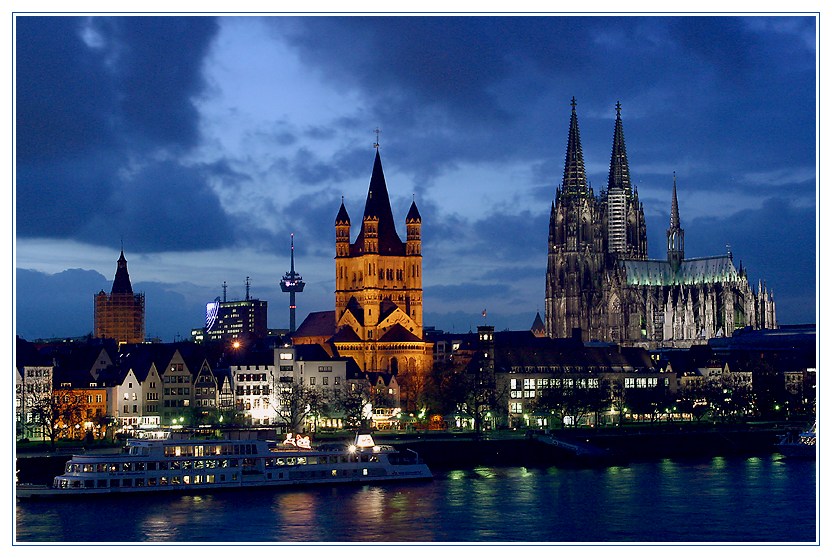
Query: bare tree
x=291, y=402
x=352, y=403
x=58, y=412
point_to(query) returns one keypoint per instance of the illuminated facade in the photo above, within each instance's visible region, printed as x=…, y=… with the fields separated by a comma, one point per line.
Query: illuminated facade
x=378, y=287
x=226, y=320
x=599, y=280
x=120, y=314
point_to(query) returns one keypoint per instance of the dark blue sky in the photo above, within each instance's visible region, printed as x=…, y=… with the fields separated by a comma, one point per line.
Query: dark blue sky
x=201, y=143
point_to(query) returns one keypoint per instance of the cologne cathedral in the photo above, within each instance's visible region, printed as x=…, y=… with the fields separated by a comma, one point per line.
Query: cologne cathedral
x=601, y=284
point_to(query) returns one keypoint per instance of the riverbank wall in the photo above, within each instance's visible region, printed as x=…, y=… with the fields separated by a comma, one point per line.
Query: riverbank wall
x=529, y=449
x=615, y=447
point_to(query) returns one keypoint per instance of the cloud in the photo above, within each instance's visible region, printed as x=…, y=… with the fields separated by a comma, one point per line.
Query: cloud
x=99, y=103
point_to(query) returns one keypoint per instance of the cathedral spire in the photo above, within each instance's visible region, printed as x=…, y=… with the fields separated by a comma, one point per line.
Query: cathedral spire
x=619, y=168
x=675, y=234
x=674, y=208
x=574, y=174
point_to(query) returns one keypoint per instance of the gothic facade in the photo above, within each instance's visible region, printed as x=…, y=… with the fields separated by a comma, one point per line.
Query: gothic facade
x=378, y=287
x=600, y=281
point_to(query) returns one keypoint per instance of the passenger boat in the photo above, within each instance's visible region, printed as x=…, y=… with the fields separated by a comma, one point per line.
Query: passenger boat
x=168, y=464
x=802, y=445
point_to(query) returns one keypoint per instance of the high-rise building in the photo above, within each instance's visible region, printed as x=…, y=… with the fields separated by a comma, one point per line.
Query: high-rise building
x=120, y=314
x=234, y=319
x=600, y=281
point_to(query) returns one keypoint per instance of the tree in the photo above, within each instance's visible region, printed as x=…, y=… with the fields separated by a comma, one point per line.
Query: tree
x=352, y=403
x=414, y=387
x=55, y=414
x=693, y=400
x=291, y=402
x=572, y=397
x=652, y=401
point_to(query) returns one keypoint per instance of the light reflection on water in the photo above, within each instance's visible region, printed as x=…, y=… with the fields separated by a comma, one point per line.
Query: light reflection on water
x=758, y=499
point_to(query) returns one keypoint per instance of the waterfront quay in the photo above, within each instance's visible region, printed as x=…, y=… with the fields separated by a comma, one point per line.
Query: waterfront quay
x=513, y=448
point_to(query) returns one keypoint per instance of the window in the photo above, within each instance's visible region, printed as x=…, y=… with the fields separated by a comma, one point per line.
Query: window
x=326, y=380
x=312, y=381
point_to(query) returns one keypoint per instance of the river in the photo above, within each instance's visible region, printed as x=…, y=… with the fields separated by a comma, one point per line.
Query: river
x=718, y=500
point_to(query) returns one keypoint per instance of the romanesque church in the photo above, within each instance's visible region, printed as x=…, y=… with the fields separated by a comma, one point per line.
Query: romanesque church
x=378, y=290
x=600, y=282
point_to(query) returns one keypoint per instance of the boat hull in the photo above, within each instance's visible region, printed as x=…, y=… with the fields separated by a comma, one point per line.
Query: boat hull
x=186, y=466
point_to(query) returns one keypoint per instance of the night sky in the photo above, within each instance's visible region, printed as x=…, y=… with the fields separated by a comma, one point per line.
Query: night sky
x=200, y=144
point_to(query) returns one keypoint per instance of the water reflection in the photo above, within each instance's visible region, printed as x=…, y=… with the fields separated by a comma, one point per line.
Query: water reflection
x=741, y=500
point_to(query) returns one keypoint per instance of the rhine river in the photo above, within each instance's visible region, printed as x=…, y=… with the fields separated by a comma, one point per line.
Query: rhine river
x=718, y=500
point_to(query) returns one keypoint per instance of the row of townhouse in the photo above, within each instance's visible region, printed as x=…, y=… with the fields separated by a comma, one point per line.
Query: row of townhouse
x=162, y=385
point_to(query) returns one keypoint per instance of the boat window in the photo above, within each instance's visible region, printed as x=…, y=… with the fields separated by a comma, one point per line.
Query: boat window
x=125, y=467
x=113, y=483
x=89, y=483
x=101, y=483
x=301, y=461
x=127, y=482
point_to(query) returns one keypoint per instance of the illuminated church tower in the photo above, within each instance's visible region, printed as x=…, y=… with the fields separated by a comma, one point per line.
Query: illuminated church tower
x=576, y=248
x=120, y=314
x=378, y=286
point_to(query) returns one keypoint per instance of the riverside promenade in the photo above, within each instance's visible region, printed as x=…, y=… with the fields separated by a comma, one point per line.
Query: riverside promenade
x=446, y=450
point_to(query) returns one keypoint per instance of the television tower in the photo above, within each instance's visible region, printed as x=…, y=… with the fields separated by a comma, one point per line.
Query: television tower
x=292, y=283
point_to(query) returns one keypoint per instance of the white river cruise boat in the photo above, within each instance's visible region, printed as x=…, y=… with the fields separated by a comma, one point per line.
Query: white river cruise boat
x=169, y=464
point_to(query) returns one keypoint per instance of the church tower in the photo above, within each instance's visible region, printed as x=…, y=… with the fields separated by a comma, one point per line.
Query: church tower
x=675, y=234
x=576, y=249
x=378, y=286
x=120, y=314
x=626, y=231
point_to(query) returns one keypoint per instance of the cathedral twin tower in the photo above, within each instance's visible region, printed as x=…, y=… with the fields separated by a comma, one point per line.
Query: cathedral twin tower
x=600, y=283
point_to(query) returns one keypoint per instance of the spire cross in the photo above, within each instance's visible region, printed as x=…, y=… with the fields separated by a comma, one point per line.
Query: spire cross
x=574, y=103
x=377, y=131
